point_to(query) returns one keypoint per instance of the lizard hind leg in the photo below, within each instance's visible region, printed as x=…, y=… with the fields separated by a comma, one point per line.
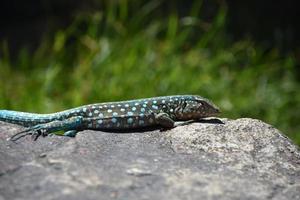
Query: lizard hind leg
x=68, y=125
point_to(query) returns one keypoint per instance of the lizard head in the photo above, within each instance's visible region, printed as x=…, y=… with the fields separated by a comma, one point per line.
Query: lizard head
x=195, y=108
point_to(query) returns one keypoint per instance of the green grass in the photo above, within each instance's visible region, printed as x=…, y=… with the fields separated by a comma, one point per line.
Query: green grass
x=116, y=55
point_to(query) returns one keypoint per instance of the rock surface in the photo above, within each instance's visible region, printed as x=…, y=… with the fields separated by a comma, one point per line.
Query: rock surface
x=236, y=159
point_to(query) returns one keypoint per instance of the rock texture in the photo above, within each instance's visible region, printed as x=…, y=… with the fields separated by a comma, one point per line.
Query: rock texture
x=236, y=159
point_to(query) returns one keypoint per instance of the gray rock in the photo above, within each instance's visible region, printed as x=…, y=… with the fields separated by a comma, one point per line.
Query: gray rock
x=239, y=159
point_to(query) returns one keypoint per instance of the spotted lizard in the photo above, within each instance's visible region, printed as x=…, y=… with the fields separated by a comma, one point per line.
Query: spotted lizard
x=123, y=115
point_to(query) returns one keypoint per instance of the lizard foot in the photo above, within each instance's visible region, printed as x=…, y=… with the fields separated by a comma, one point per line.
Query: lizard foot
x=34, y=131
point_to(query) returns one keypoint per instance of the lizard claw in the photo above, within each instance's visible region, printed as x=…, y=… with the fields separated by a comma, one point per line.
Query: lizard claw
x=37, y=133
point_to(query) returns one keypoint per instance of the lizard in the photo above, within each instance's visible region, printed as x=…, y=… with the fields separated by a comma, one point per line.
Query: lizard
x=163, y=111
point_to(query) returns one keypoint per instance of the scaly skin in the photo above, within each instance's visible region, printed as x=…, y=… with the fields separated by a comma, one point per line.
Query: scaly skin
x=139, y=113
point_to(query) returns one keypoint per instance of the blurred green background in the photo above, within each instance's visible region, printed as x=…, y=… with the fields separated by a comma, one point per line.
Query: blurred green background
x=115, y=50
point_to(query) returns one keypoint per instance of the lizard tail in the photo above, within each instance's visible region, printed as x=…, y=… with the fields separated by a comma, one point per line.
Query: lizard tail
x=24, y=118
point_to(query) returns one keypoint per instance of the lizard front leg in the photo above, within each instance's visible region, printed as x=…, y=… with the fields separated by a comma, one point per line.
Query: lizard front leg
x=164, y=120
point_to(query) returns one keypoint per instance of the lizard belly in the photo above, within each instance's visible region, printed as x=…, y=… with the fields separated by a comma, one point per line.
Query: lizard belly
x=121, y=122
x=118, y=116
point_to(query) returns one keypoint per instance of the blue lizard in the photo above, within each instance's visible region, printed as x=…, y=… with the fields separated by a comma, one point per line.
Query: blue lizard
x=157, y=111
